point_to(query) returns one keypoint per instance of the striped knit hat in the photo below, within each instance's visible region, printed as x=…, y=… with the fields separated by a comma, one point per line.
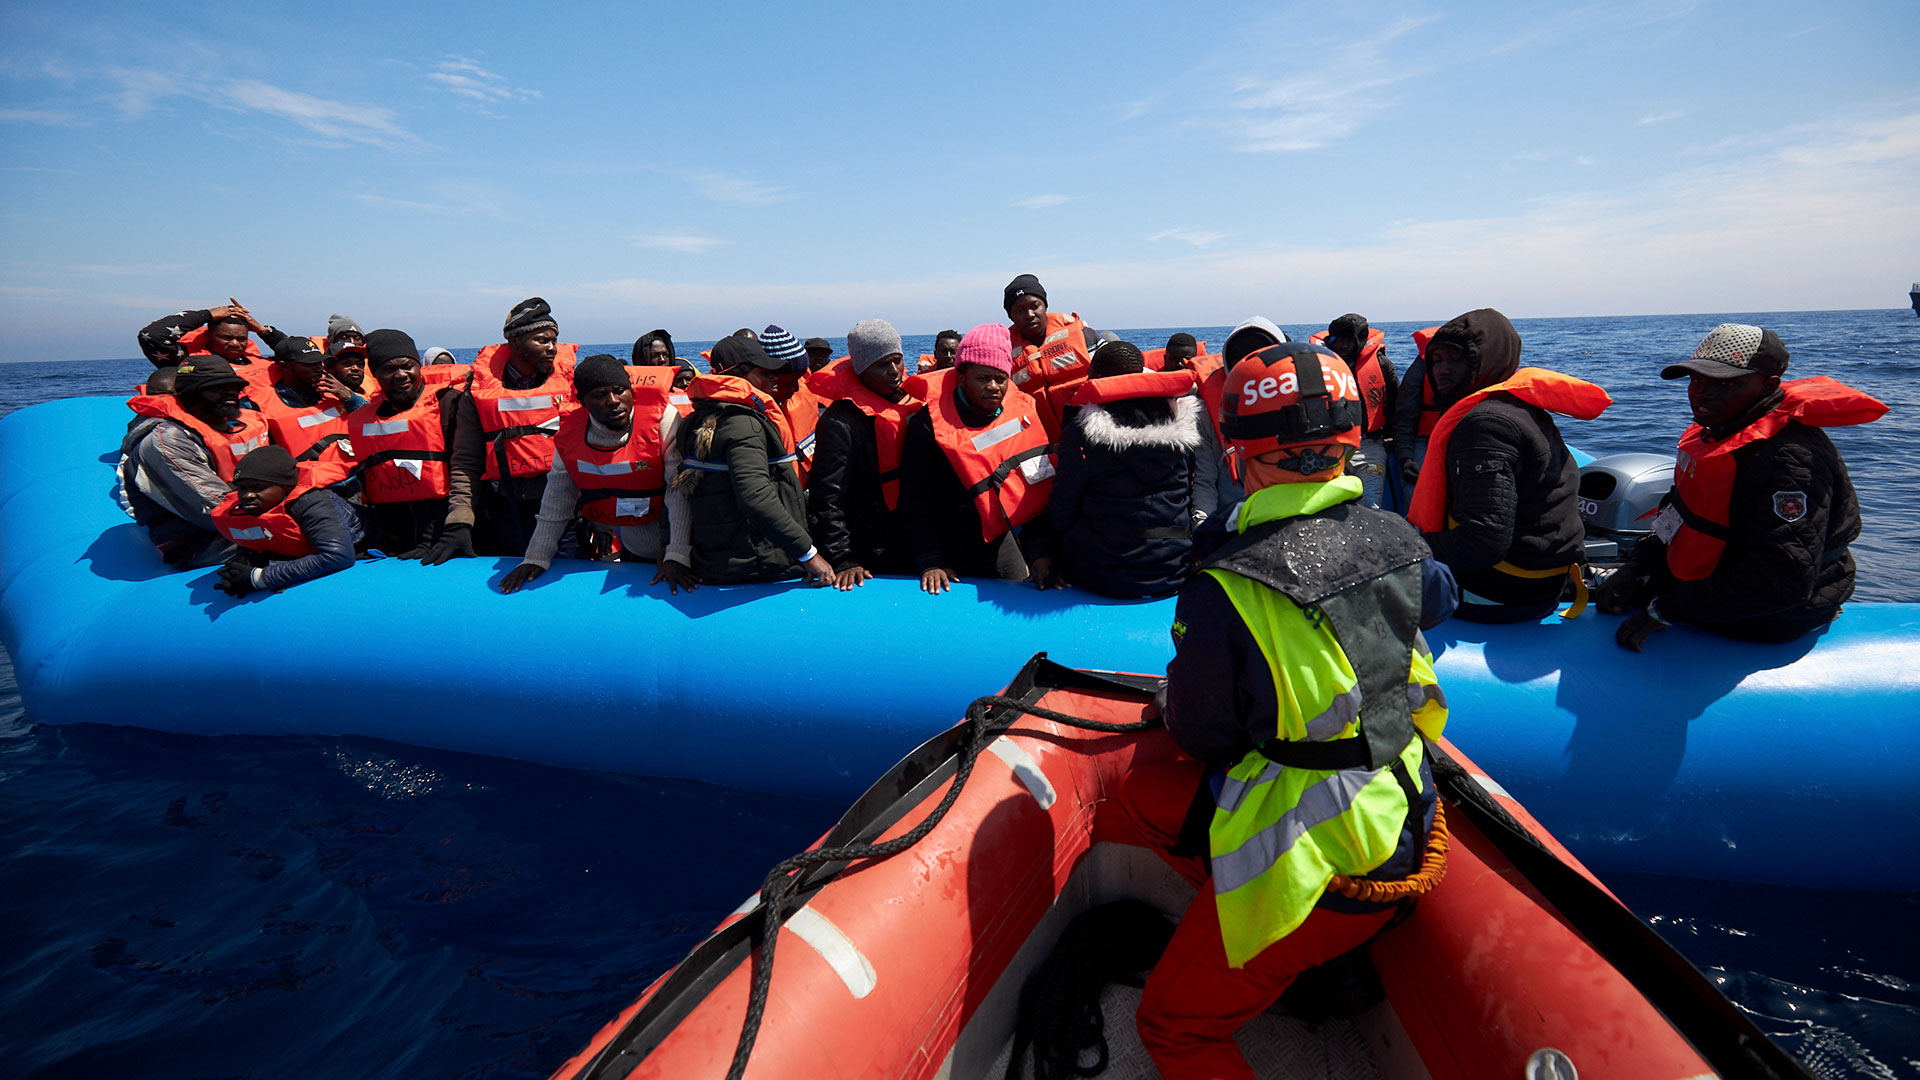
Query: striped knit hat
x=784, y=347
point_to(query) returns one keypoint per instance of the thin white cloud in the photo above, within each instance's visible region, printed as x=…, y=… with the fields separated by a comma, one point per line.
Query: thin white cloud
x=1586, y=161
x=464, y=77
x=1314, y=105
x=1043, y=202
x=408, y=204
x=450, y=197
x=1659, y=118
x=683, y=241
x=1198, y=238
x=43, y=117
x=724, y=188
x=370, y=124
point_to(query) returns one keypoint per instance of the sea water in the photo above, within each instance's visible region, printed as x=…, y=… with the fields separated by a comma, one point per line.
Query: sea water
x=185, y=907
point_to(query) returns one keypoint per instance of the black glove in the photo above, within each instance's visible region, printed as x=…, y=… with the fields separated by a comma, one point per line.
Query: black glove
x=1409, y=472
x=456, y=542
x=1636, y=628
x=236, y=577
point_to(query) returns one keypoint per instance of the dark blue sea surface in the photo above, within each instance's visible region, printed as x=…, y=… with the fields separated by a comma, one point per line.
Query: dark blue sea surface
x=245, y=906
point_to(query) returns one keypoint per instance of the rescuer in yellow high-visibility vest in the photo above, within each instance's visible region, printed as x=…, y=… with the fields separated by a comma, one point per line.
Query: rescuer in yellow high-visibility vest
x=1302, y=688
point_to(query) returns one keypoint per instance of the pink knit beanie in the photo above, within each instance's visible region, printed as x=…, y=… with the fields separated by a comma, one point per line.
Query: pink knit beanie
x=989, y=345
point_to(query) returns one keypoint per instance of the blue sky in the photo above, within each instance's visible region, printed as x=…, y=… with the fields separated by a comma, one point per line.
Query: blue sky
x=707, y=167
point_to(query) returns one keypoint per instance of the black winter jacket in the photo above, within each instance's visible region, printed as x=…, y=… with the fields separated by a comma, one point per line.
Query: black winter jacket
x=1122, y=500
x=846, y=512
x=1787, y=569
x=1511, y=484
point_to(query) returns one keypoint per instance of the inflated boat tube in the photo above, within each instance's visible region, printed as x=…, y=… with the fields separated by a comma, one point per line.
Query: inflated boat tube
x=1701, y=758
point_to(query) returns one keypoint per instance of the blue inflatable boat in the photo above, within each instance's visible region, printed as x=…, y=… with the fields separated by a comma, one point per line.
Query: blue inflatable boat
x=1701, y=758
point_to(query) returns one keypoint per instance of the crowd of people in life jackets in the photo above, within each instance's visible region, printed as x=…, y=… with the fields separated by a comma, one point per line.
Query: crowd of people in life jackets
x=1040, y=450
x=1259, y=484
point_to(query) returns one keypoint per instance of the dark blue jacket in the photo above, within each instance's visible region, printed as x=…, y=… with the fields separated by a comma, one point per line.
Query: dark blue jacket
x=1122, y=500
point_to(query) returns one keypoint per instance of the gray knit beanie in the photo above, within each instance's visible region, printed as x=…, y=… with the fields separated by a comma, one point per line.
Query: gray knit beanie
x=340, y=324
x=871, y=341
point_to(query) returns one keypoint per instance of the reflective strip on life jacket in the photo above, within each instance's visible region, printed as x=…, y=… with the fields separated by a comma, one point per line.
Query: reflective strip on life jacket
x=403, y=457
x=624, y=485
x=1704, y=470
x=276, y=531
x=1007, y=468
x=520, y=424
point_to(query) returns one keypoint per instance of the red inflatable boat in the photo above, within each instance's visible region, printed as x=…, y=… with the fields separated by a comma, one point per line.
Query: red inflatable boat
x=911, y=963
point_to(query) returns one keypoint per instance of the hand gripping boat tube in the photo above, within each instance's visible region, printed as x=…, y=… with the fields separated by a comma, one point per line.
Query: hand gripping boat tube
x=903, y=939
x=1700, y=758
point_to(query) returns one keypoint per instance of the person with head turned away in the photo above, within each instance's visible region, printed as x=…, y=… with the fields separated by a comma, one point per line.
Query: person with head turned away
x=610, y=465
x=1122, y=501
x=401, y=446
x=1752, y=543
x=733, y=457
x=976, y=466
x=177, y=460
x=1498, y=497
x=854, y=495
x=790, y=389
x=1298, y=669
x=1050, y=351
x=307, y=411
x=1365, y=351
x=289, y=527
x=220, y=331
x=503, y=445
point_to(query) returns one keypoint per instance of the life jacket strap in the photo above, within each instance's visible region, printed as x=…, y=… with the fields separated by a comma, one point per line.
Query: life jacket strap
x=1005, y=469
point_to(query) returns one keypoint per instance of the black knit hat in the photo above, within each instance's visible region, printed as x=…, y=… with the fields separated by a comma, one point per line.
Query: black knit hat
x=204, y=372
x=268, y=465
x=596, y=371
x=527, y=316
x=1024, y=285
x=390, y=345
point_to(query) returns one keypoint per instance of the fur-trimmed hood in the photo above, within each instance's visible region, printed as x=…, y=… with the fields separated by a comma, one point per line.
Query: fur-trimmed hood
x=1181, y=431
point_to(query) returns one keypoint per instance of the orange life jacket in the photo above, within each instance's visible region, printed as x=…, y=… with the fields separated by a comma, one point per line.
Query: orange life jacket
x=889, y=420
x=520, y=424
x=305, y=431
x=803, y=416
x=1704, y=472
x=827, y=383
x=276, y=532
x=1051, y=371
x=1007, y=466
x=225, y=447
x=1372, y=379
x=926, y=365
x=622, y=486
x=436, y=377
x=735, y=390
x=1213, y=386
x=1161, y=384
x=403, y=457
x=1545, y=389
x=253, y=367
x=1429, y=412
x=1157, y=358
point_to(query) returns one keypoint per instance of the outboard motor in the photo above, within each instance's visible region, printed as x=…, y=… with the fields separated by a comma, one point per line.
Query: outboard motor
x=1619, y=495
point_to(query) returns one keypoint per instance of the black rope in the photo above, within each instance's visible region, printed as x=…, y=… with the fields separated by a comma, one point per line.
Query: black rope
x=987, y=717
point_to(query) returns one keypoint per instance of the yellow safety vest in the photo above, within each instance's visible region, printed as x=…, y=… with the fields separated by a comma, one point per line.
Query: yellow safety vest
x=1280, y=834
